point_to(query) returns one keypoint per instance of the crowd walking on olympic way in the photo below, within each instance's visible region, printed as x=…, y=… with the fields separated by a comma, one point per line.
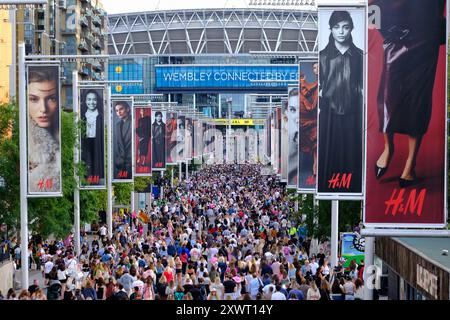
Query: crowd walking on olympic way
x=225, y=233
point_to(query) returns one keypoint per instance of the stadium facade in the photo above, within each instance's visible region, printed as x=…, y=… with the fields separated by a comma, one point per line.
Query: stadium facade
x=212, y=59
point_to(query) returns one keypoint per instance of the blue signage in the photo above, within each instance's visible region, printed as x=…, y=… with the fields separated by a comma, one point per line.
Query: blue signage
x=225, y=78
x=126, y=72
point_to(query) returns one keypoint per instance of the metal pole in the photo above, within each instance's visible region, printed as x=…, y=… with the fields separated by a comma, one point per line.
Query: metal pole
x=132, y=207
x=76, y=191
x=314, y=241
x=162, y=187
x=187, y=170
x=369, y=251
x=109, y=186
x=23, y=169
x=179, y=172
x=334, y=232
x=229, y=130
x=171, y=177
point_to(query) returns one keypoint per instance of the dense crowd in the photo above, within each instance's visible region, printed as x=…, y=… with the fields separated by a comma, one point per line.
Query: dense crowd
x=225, y=233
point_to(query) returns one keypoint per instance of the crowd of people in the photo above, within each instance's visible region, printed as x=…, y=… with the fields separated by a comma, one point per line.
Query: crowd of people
x=226, y=233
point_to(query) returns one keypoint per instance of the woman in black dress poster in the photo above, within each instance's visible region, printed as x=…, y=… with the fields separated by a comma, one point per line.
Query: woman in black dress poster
x=413, y=31
x=341, y=86
x=93, y=138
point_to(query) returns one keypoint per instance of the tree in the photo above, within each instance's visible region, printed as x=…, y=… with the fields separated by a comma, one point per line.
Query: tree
x=45, y=215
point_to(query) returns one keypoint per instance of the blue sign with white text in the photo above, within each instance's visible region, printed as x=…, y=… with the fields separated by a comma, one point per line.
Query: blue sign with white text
x=225, y=78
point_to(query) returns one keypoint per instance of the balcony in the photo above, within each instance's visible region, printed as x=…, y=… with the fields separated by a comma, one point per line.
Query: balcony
x=97, y=76
x=89, y=37
x=96, y=30
x=97, y=21
x=84, y=22
x=83, y=45
x=84, y=71
x=96, y=44
x=96, y=66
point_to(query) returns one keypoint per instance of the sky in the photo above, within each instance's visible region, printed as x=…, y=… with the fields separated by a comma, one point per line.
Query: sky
x=126, y=6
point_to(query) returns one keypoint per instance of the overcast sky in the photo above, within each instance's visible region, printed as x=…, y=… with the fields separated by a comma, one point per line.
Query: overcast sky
x=124, y=6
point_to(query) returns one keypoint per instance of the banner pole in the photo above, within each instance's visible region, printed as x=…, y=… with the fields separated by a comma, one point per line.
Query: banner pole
x=132, y=206
x=110, y=162
x=314, y=242
x=334, y=232
x=369, y=251
x=76, y=191
x=23, y=170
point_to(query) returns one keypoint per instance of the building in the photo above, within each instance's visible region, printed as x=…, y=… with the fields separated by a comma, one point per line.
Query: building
x=212, y=59
x=417, y=268
x=62, y=27
x=5, y=55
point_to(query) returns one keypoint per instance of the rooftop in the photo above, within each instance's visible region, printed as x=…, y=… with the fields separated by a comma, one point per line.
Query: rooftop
x=430, y=248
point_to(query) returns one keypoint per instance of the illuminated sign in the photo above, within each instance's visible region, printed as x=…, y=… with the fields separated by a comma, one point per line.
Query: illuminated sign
x=229, y=77
x=240, y=122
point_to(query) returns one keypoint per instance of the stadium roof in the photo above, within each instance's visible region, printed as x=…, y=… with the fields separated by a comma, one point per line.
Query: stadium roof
x=213, y=31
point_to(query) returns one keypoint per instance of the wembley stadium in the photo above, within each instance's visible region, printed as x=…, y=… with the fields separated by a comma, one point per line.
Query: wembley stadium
x=211, y=58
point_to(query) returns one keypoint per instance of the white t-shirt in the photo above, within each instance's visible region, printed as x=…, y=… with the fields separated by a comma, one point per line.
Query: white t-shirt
x=314, y=267
x=278, y=296
x=103, y=231
x=48, y=266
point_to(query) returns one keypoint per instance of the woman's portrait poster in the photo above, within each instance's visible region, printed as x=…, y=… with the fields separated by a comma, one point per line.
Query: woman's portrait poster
x=142, y=136
x=92, y=137
x=158, y=146
x=308, y=101
x=292, y=112
x=171, y=137
x=122, y=140
x=406, y=117
x=342, y=42
x=44, y=131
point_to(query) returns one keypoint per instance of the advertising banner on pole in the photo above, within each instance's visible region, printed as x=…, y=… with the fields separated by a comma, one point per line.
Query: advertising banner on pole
x=342, y=43
x=142, y=136
x=123, y=139
x=92, y=137
x=159, y=139
x=44, y=130
x=293, y=137
x=181, y=138
x=406, y=167
x=189, y=138
x=284, y=140
x=307, y=152
x=171, y=138
x=278, y=141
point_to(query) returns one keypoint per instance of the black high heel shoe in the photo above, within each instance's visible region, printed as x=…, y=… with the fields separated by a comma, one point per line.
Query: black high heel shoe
x=379, y=172
x=403, y=183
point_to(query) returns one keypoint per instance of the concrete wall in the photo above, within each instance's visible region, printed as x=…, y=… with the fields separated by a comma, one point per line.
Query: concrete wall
x=6, y=276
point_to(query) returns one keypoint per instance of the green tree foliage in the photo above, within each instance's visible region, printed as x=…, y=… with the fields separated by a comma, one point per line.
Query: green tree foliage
x=45, y=215
x=9, y=165
x=349, y=215
x=122, y=193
